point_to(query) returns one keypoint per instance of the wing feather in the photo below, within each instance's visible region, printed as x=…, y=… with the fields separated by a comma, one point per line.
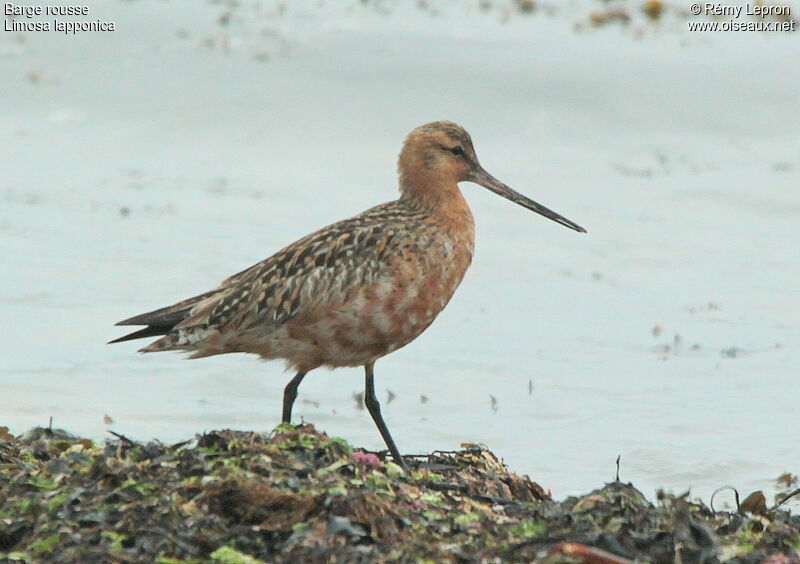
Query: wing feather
x=322, y=268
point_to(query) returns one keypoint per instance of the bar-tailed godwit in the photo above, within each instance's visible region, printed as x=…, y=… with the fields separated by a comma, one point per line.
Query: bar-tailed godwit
x=354, y=291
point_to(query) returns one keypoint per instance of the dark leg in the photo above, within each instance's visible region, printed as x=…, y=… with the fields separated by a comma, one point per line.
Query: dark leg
x=375, y=410
x=290, y=394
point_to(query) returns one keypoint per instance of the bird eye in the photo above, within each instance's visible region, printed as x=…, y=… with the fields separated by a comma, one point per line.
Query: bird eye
x=457, y=150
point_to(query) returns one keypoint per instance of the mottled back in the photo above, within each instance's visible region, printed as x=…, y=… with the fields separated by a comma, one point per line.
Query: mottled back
x=323, y=268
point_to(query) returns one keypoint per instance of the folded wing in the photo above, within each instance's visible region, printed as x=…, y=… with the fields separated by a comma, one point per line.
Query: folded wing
x=320, y=269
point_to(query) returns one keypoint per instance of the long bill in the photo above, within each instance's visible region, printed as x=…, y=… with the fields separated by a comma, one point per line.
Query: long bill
x=480, y=176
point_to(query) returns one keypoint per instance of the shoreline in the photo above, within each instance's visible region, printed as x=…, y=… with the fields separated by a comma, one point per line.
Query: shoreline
x=297, y=495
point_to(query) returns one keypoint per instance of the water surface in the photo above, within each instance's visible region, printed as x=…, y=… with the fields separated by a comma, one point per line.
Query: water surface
x=144, y=166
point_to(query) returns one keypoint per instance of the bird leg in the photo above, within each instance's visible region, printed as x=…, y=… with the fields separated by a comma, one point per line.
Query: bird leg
x=375, y=410
x=290, y=394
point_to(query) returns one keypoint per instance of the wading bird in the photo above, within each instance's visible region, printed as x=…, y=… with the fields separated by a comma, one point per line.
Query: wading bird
x=354, y=291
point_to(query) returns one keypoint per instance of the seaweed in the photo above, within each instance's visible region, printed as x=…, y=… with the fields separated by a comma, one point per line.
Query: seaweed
x=297, y=495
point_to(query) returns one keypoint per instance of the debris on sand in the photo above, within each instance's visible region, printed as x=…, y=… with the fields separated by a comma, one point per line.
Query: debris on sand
x=297, y=495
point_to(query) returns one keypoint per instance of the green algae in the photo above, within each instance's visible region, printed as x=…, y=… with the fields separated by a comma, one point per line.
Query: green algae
x=296, y=495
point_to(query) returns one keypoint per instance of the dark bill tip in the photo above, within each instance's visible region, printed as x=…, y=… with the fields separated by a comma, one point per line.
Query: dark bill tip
x=488, y=181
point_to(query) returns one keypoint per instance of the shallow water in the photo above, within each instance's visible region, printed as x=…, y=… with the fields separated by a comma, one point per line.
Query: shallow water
x=146, y=165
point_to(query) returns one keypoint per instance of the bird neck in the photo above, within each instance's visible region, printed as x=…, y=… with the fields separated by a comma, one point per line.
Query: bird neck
x=440, y=197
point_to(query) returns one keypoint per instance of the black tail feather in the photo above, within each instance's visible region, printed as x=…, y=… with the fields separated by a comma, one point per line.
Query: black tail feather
x=161, y=321
x=142, y=333
x=167, y=316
